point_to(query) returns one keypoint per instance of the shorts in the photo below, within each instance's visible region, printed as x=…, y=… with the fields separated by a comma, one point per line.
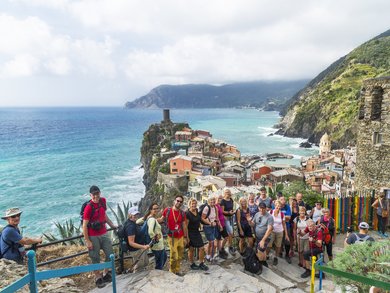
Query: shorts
x=265, y=245
x=277, y=238
x=100, y=242
x=221, y=234
x=247, y=232
x=229, y=225
x=210, y=232
x=303, y=245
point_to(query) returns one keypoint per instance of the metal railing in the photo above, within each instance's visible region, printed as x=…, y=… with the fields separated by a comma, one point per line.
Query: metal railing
x=34, y=276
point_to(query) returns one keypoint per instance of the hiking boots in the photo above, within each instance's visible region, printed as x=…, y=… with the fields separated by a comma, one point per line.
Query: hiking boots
x=194, y=266
x=180, y=274
x=264, y=263
x=232, y=251
x=223, y=254
x=288, y=259
x=275, y=263
x=306, y=274
x=107, y=278
x=203, y=267
x=100, y=283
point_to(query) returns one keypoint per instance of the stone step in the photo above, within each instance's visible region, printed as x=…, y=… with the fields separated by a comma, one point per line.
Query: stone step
x=291, y=271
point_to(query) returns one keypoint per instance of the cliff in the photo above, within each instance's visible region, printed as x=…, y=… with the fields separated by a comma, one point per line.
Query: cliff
x=157, y=137
x=261, y=94
x=329, y=103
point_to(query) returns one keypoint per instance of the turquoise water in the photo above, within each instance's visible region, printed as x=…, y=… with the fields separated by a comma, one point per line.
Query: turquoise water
x=50, y=156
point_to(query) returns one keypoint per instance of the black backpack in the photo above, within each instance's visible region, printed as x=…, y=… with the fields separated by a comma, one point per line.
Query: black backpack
x=251, y=262
x=101, y=204
x=124, y=245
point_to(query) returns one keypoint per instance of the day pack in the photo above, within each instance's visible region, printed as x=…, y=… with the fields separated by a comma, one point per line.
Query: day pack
x=145, y=238
x=141, y=235
x=201, y=208
x=327, y=237
x=251, y=262
x=101, y=204
x=360, y=240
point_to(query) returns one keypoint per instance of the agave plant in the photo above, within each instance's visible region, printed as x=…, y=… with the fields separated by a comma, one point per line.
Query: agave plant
x=121, y=212
x=66, y=230
x=272, y=192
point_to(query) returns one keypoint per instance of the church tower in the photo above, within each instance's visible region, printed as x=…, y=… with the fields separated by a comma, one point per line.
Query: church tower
x=325, y=146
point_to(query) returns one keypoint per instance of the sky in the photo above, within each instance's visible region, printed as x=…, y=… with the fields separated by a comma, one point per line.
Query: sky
x=107, y=52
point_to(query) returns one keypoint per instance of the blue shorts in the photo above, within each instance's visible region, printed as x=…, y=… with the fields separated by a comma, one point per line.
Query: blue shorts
x=210, y=232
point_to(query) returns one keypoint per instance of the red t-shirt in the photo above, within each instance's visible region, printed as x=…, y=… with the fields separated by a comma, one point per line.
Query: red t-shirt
x=175, y=222
x=98, y=216
x=317, y=235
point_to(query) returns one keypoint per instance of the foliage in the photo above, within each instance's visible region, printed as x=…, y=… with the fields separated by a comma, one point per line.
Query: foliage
x=165, y=168
x=66, y=230
x=121, y=212
x=309, y=196
x=273, y=192
x=370, y=259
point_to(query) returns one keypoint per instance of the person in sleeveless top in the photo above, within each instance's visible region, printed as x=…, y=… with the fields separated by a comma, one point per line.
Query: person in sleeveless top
x=244, y=229
x=382, y=206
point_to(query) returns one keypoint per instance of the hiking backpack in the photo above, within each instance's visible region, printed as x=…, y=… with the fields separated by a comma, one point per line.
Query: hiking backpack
x=361, y=240
x=101, y=204
x=327, y=237
x=145, y=237
x=251, y=262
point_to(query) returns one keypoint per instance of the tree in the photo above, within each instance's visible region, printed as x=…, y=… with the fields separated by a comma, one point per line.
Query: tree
x=310, y=196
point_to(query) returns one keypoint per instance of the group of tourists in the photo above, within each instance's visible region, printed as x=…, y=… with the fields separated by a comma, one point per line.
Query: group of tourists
x=272, y=228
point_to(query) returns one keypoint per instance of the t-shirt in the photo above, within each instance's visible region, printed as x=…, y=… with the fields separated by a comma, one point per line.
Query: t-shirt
x=175, y=222
x=317, y=235
x=278, y=221
x=228, y=205
x=287, y=212
x=132, y=229
x=98, y=216
x=261, y=224
x=301, y=225
x=352, y=238
x=12, y=236
x=317, y=214
x=221, y=217
x=267, y=201
x=212, y=216
x=154, y=228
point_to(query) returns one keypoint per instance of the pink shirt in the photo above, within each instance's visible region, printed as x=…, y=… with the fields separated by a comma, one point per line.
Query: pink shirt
x=220, y=215
x=278, y=222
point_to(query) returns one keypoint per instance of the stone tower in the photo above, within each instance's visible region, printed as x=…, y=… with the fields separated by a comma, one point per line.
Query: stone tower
x=373, y=138
x=325, y=146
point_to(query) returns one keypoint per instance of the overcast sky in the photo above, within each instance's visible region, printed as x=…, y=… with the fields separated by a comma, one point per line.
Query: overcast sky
x=106, y=52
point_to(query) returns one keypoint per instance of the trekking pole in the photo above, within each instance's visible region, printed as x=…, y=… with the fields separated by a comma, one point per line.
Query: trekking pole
x=212, y=249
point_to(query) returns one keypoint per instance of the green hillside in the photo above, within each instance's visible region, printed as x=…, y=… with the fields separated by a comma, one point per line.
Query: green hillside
x=329, y=103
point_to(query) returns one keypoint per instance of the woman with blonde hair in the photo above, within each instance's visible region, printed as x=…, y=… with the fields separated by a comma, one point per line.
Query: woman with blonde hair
x=279, y=229
x=210, y=225
x=302, y=241
x=244, y=229
x=193, y=220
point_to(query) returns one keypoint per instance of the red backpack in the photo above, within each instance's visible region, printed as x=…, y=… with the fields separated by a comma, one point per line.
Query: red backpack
x=327, y=237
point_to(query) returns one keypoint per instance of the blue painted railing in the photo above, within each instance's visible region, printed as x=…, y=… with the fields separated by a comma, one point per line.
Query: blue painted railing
x=33, y=276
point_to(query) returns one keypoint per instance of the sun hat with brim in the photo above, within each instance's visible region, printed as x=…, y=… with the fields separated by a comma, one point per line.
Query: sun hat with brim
x=11, y=212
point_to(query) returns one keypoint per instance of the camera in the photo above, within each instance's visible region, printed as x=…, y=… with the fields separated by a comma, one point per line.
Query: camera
x=96, y=225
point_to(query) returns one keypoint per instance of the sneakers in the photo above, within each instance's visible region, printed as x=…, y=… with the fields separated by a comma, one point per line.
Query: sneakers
x=223, y=254
x=107, y=278
x=180, y=274
x=203, y=267
x=208, y=258
x=232, y=251
x=306, y=274
x=288, y=259
x=100, y=283
x=275, y=262
x=194, y=266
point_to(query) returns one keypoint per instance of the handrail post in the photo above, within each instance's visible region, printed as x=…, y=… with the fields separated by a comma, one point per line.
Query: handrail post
x=113, y=273
x=32, y=269
x=313, y=273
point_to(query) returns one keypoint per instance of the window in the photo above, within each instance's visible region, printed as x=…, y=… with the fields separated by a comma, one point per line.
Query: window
x=174, y=163
x=377, y=138
x=376, y=104
x=174, y=170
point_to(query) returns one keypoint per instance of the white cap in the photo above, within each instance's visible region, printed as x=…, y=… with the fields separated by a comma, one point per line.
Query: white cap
x=133, y=211
x=363, y=225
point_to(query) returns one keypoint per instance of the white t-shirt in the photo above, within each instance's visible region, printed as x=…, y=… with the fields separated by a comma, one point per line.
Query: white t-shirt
x=317, y=214
x=301, y=225
x=278, y=222
x=212, y=216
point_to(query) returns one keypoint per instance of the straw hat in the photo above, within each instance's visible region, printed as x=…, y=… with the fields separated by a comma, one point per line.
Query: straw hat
x=11, y=212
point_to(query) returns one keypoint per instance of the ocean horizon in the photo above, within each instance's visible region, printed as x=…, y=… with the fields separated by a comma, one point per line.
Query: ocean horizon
x=49, y=156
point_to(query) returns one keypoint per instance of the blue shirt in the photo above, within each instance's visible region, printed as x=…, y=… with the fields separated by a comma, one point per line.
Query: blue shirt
x=9, y=243
x=287, y=212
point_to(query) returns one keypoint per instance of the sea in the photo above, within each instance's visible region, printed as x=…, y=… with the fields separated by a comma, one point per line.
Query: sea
x=50, y=156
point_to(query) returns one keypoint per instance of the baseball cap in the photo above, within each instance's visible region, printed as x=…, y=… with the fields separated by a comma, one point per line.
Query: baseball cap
x=262, y=205
x=133, y=211
x=363, y=225
x=94, y=189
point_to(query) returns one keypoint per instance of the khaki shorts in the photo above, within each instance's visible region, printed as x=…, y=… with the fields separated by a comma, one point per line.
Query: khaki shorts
x=100, y=242
x=277, y=239
x=303, y=245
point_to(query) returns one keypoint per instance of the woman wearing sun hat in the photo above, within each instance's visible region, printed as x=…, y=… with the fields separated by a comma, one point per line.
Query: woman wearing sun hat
x=11, y=241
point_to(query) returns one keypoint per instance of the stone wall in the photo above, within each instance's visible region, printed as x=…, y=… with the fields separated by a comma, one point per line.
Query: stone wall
x=373, y=157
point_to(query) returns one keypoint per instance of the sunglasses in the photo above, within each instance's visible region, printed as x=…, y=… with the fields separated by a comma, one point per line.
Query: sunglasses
x=179, y=201
x=15, y=216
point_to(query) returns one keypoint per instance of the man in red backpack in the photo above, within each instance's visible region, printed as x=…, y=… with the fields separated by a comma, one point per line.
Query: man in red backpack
x=177, y=233
x=315, y=245
x=326, y=222
x=95, y=233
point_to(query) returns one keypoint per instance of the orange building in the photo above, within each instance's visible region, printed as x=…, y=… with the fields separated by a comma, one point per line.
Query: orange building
x=180, y=165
